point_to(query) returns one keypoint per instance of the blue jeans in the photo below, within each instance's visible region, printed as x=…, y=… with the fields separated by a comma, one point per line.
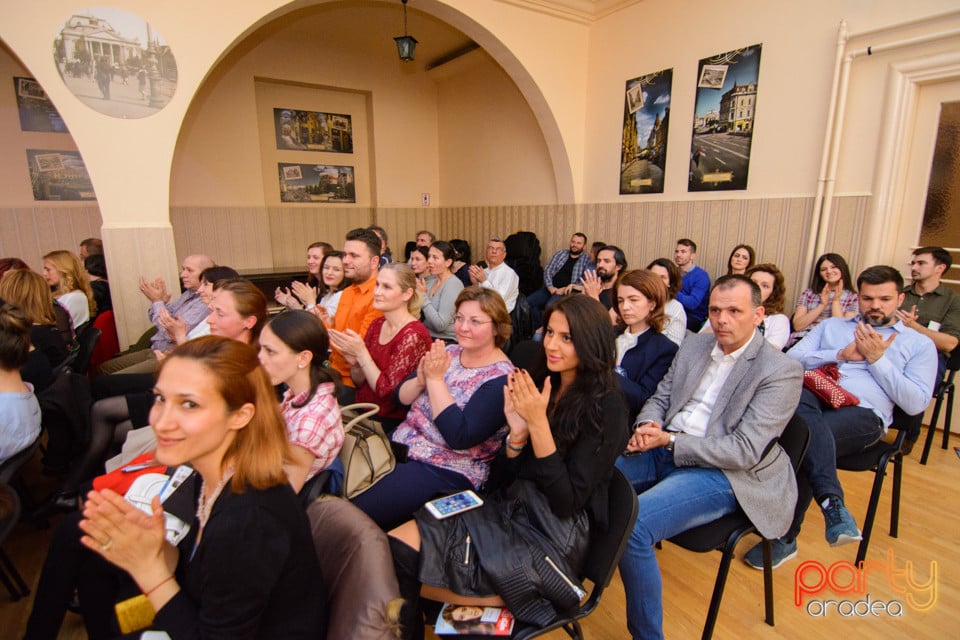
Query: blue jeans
x=538, y=301
x=833, y=433
x=671, y=500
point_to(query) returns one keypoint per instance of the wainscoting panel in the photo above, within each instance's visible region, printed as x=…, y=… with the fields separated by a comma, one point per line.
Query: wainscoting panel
x=30, y=232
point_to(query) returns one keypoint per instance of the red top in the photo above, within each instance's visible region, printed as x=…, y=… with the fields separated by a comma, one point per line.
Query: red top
x=396, y=360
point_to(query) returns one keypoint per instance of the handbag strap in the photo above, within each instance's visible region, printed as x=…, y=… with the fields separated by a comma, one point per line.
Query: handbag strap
x=365, y=409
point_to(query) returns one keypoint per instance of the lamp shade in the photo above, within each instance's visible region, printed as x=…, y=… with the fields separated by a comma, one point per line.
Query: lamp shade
x=405, y=47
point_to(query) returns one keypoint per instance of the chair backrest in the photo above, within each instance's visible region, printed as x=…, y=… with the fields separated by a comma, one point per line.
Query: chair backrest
x=10, y=466
x=529, y=355
x=86, y=341
x=953, y=361
x=606, y=547
x=908, y=425
x=9, y=511
x=795, y=439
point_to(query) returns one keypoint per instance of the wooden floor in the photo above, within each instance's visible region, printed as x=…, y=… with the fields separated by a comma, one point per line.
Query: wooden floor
x=929, y=535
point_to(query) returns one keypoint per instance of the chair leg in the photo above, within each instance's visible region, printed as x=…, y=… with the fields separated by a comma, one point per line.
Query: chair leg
x=932, y=428
x=718, y=586
x=768, y=581
x=895, y=498
x=11, y=579
x=946, y=422
x=871, y=510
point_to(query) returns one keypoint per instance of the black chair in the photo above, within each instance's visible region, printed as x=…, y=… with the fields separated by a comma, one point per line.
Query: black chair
x=943, y=391
x=86, y=341
x=875, y=458
x=604, y=553
x=9, y=516
x=10, y=472
x=529, y=355
x=723, y=534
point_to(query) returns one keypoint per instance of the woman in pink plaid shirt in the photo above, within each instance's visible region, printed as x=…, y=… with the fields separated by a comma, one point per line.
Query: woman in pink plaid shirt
x=293, y=351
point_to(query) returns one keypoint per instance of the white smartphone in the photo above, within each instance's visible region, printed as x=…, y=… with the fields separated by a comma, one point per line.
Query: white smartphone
x=453, y=504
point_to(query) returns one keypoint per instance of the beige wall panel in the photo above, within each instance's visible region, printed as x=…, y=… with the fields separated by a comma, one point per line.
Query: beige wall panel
x=846, y=229
x=402, y=225
x=292, y=229
x=235, y=236
x=30, y=232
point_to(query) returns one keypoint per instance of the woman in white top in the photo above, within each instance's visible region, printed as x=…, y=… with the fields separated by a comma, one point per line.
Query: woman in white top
x=64, y=272
x=669, y=272
x=315, y=255
x=775, y=326
x=440, y=292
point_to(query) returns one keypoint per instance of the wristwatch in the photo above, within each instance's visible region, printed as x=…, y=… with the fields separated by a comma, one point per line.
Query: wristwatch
x=673, y=441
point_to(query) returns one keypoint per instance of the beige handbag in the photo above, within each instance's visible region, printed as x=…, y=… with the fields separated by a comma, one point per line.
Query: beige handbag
x=366, y=453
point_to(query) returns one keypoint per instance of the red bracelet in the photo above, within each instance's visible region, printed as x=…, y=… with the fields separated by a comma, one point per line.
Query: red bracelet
x=162, y=582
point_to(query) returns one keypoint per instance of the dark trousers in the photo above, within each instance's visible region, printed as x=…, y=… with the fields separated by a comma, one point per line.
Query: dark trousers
x=833, y=433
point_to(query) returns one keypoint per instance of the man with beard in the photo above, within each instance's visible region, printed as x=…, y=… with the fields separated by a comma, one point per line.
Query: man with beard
x=881, y=362
x=694, y=293
x=355, y=312
x=611, y=262
x=561, y=276
x=929, y=306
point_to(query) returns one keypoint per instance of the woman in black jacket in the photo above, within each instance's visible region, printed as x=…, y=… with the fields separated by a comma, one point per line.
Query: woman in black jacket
x=548, y=485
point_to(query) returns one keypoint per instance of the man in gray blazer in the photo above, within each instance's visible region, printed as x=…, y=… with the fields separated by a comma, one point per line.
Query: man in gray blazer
x=706, y=442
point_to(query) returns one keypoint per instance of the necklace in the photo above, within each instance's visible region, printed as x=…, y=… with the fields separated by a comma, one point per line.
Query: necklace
x=205, y=505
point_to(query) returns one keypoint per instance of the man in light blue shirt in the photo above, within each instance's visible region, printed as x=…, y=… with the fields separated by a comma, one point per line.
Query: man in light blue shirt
x=883, y=363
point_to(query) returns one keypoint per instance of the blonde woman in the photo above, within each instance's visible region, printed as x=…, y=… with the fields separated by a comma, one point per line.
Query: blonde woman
x=64, y=272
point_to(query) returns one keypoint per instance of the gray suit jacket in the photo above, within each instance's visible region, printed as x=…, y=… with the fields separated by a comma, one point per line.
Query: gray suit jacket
x=754, y=405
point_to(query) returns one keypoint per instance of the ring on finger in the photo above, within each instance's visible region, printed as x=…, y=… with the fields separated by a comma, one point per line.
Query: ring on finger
x=106, y=545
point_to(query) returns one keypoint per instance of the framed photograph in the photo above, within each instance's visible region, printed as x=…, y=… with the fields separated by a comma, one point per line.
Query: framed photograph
x=59, y=175
x=37, y=113
x=646, y=121
x=313, y=131
x=312, y=183
x=726, y=104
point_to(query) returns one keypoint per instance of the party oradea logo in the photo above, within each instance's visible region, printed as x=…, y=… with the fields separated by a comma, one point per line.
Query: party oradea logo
x=843, y=588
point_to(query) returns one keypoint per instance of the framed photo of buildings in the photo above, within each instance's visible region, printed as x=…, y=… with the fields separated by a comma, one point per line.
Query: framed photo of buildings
x=316, y=183
x=37, y=113
x=726, y=105
x=59, y=175
x=313, y=131
x=646, y=121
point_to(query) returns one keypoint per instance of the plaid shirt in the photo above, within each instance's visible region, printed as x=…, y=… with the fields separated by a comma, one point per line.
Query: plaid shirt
x=316, y=426
x=556, y=263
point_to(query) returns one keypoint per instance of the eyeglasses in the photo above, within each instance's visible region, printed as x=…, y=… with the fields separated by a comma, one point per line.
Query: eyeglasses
x=473, y=322
x=496, y=249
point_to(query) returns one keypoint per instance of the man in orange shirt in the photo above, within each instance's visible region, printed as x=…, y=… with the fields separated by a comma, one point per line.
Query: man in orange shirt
x=361, y=263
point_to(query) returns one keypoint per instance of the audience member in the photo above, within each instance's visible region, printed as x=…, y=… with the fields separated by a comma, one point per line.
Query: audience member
x=90, y=247
x=929, y=306
x=248, y=566
x=425, y=238
x=418, y=261
x=829, y=296
x=361, y=263
x=456, y=423
x=561, y=276
x=19, y=409
x=96, y=267
x=385, y=256
x=594, y=248
x=31, y=294
x=297, y=294
x=188, y=307
x=708, y=443
x=610, y=263
x=64, y=272
x=440, y=291
x=176, y=327
x=462, y=260
x=548, y=485
x=293, y=352
x=741, y=258
x=643, y=353
x=694, y=294
x=497, y=275
x=882, y=363
x=8, y=264
x=775, y=326
x=667, y=270
x=393, y=346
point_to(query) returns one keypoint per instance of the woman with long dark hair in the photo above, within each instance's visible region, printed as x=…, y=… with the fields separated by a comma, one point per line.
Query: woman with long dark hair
x=741, y=258
x=831, y=294
x=293, y=351
x=440, y=292
x=293, y=296
x=547, y=485
x=668, y=271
